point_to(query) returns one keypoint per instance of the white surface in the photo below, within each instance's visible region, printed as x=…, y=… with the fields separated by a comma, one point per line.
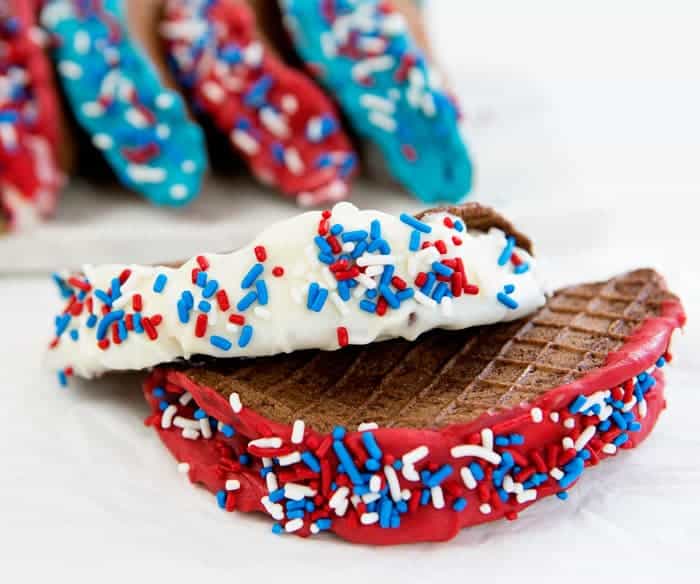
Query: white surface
x=584, y=119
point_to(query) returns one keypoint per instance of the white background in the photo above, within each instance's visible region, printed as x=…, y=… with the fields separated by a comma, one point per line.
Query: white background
x=583, y=117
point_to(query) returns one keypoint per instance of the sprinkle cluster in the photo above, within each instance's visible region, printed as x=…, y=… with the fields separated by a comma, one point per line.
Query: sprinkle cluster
x=27, y=161
x=267, y=111
x=140, y=127
x=313, y=480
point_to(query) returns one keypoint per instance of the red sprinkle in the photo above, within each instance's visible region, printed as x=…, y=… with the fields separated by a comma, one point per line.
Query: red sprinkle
x=456, y=240
x=103, y=344
x=200, y=328
x=349, y=275
x=342, y=336
x=203, y=263
x=156, y=319
x=115, y=334
x=222, y=300
x=238, y=319
x=334, y=243
x=137, y=302
x=124, y=276
x=78, y=283
x=421, y=279
x=471, y=289
x=440, y=245
x=398, y=283
x=448, y=222
x=457, y=284
x=260, y=253
x=129, y=322
x=382, y=306
x=326, y=214
x=195, y=273
x=278, y=271
x=150, y=329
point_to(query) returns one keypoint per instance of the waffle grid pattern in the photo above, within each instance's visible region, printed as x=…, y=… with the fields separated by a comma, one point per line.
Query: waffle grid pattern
x=446, y=378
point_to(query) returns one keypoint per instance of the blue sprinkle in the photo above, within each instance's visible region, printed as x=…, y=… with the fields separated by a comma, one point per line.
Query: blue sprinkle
x=661, y=362
x=299, y=514
x=375, y=229
x=379, y=245
x=338, y=433
x=323, y=245
x=246, y=335
x=385, y=513
x=574, y=468
x=360, y=248
x=320, y=300
x=371, y=445
x=204, y=306
x=116, y=287
x=459, y=226
x=621, y=439
x=310, y=507
x=336, y=229
x=261, y=288
x=163, y=405
x=138, y=327
x=314, y=289
x=244, y=459
x=92, y=321
x=347, y=462
x=395, y=521
x=220, y=342
x=563, y=495
x=634, y=427
x=368, y=306
x=358, y=235
x=414, y=243
x=398, y=465
x=200, y=414
x=106, y=321
x=227, y=431
x=252, y=275
x=429, y=283
x=521, y=269
x=401, y=506
x=619, y=420
x=62, y=323
x=103, y=297
x=501, y=441
x=343, y=290
x=415, y=223
x=387, y=275
x=325, y=258
x=221, y=499
x=210, y=289
x=509, y=288
x=477, y=471
x=507, y=251
x=62, y=378
x=438, y=476
x=585, y=454
x=158, y=392
x=188, y=299
x=182, y=312
x=277, y=529
x=442, y=269
x=460, y=504
x=405, y=294
x=517, y=439
x=121, y=328
x=311, y=461
x=246, y=301
x=372, y=465
x=277, y=495
x=371, y=294
x=323, y=524
x=425, y=497
x=201, y=280
x=577, y=404
x=390, y=297
x=257, y=94
x=441, y=290
x=292, y=505
x=159, y=283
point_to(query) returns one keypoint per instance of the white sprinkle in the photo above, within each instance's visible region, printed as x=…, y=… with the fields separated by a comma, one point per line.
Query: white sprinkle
x=166, y=419
x=271, y=482
x=213, y=91
x=298, y=432
x=163, y=131
x=605, y=413
x=554, y=416
x=245, y=142
x=406, y=494
x=235, y=401
x=263, y=313
x=508, y=484
x=643, y=410
x=274, y=509
x=314, y=529
x=366, y=281
x=289, y=103
x=164, y=100
x=382, y=121
x=447, y=307
x=289, y=459
x=233, y=485
x=180, y=422
x=183, y=467
x=70, y=69
x=375, y=260
x=428, y=105
x=485, y=508
x=366, y=67
x=205, y=427
x=373, y=271
x=135, y=118
x=92, y=109
x=468, y=478
x=609, y=448
x=367, y=426
x=188, y=166
x=185, y=398
x=141, y=173
x=527, y=495
x=338, y=497
x=179, y=192
x=368, y=498
x=297, y=492
x=339, y=304
x=567, y=442
x=253, y=54
x=438, y=497
x=584, y=438
x=569, y=423
x=294, y=525
x=374, y=102
x=421, y=298
x=536, y=415
x=478, y=451
x=627, y=406
x=190, y=434
x=274, y=122
x=369, y=518
x=273, y=442
x=557, y=474
x=293, y=161
x=415, y=455
x=375, y=483
x=393, y=24
x=393, y=481
x=81, y=42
